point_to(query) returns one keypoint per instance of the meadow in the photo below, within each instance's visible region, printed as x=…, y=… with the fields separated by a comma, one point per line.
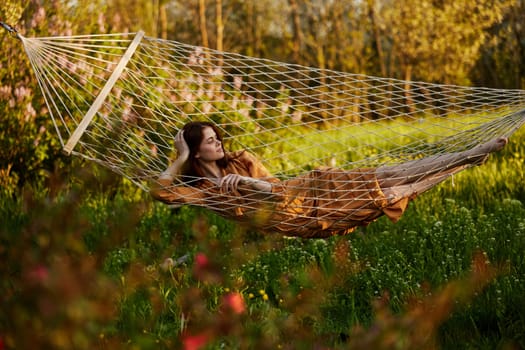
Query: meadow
x=90, y=261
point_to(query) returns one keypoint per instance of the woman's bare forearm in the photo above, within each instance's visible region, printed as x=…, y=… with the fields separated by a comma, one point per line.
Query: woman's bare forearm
x=183, y=151
x=173, y=170
x=258, y=185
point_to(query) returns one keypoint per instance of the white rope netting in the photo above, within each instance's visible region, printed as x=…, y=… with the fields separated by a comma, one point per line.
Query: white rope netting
x=293, y=118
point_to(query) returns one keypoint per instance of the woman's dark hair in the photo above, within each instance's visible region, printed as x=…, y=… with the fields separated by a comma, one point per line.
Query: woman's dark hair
x=193, y=136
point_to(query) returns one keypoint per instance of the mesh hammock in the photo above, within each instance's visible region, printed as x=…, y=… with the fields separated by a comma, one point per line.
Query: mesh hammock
x=119, y=100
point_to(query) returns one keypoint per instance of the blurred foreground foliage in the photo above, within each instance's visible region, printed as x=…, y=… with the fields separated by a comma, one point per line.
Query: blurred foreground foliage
x=89, y=261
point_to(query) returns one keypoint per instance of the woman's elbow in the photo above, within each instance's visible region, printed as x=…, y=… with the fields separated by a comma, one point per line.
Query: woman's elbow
x=157, y=190
x=156, y=194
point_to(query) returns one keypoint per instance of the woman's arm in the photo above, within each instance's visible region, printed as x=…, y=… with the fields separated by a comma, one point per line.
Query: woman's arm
x=258, y=184
x=231, y=182
x=166, y=192
x=175, y=168
x=163, y=188
x=255, y=177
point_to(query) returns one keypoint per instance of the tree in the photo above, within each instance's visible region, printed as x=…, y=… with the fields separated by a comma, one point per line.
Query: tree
x=435, y=41
x=502, y=60
x=438, y=41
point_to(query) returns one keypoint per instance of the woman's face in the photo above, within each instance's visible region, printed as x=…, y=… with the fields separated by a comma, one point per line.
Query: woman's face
x=210, y=149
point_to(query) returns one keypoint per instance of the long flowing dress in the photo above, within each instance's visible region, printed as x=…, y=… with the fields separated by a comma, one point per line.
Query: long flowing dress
x=320, y=203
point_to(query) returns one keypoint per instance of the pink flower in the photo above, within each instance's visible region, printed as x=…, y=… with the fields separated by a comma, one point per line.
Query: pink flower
x=237, y=82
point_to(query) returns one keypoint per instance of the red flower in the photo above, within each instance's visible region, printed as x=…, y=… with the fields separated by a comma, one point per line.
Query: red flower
x=38, y=275
x=195, y=342
x=234, y=301
x=201, y=260
x=205, y=270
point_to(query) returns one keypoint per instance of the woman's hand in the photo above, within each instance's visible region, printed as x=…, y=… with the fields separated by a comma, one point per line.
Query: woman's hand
x=231, y=182
x=182, y=147
x=183, y=154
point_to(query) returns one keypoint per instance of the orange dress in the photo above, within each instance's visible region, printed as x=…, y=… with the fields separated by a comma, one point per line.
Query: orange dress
x=320, y=203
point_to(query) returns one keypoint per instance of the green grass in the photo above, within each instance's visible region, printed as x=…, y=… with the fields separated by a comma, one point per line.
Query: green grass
x=303, y=146
x=82, y=269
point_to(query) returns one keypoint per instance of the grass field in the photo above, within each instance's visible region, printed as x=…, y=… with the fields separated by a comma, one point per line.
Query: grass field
x=86, y=264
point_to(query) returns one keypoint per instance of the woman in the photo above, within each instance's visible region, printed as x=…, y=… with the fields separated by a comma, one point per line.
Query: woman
x=321, y=203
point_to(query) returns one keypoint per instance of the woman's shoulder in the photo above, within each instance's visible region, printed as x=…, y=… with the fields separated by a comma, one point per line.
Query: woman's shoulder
x=240, y=155
x=243, y=156
x=236, y=154
x=246, y=163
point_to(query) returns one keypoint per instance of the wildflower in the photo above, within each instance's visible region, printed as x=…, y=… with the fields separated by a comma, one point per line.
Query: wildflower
x=5, y=92
x=21, y=93
x=234, y=302
x=205, y=270
x=237, y=82
x=38, y=17
x=39, y=274
x=195, y=342
x=201, y=260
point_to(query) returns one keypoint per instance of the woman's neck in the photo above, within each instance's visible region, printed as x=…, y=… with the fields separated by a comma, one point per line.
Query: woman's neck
x=211, y=170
